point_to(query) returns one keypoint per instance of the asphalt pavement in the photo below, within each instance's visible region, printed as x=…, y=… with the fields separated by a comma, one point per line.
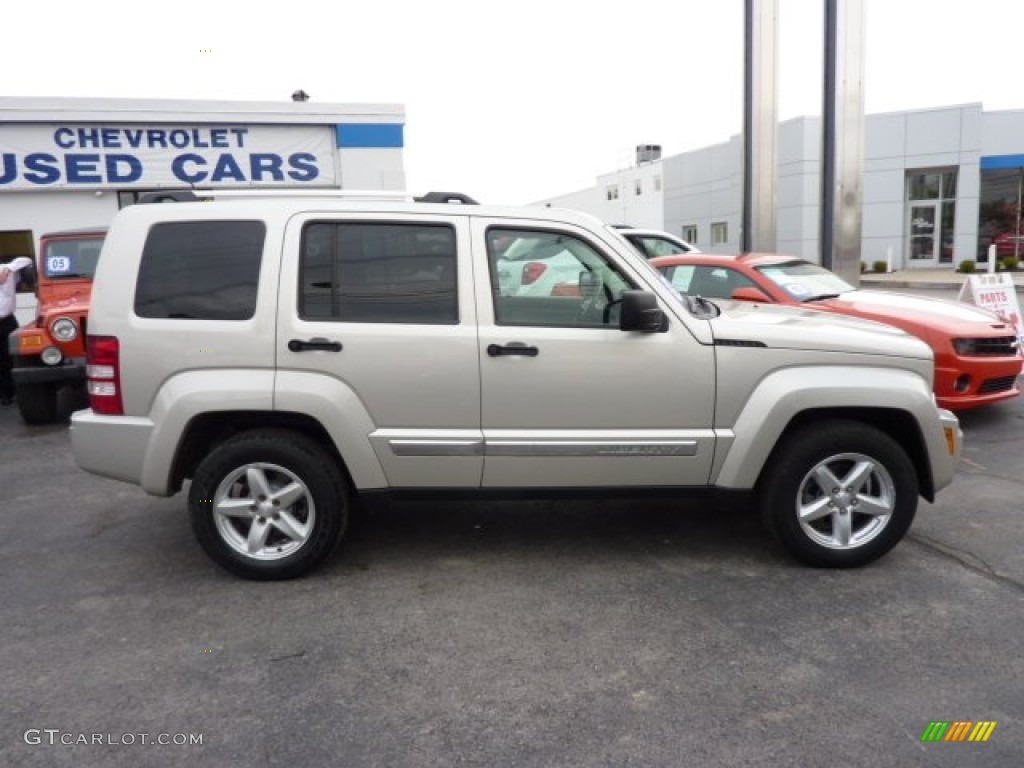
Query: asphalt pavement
x=585, y=633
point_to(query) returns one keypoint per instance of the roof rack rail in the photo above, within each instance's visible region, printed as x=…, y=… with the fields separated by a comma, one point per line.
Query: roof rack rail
x=197, y=195
x=446, y=197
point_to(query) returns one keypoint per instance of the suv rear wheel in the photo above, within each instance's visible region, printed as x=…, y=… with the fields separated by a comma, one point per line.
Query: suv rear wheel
x=268, y=504
x=839, y=494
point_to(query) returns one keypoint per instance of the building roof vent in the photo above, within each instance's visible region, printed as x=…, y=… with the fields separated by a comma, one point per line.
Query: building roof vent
x=647, y=153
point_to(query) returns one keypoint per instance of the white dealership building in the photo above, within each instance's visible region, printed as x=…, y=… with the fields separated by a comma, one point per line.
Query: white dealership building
x=939, y=186
x=73, y=163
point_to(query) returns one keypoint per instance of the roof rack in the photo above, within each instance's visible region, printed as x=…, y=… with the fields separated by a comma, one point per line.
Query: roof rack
x=205, y=195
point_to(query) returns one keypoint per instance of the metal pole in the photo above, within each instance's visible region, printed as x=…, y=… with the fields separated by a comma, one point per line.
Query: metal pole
x=760, y=125
x=842, y=139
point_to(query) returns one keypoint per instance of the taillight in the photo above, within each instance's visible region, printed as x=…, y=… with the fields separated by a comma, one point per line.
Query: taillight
x=103, y=373
x=532, y=271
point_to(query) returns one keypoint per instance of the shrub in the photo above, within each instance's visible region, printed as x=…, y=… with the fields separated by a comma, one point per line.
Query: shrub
x=879, y=266
x=967, y=266
x=1011, y=262
x=863, y=267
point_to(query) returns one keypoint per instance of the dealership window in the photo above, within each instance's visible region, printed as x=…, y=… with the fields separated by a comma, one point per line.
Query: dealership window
x=638, y=186
x=719, y=232
x=931, y=215
x=611, y=192
x=999, y=212
x=690, y=233
x=657, y=183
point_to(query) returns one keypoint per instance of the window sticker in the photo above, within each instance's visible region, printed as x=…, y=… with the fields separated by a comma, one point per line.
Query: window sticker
x=58, y=265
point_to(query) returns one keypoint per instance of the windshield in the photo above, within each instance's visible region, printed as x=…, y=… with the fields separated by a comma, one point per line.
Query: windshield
x=72, y=258
x=805, y=281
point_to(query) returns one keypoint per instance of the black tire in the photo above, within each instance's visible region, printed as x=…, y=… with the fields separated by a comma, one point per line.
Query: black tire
x=290, y=503
x=871, y=512
x=37, y=402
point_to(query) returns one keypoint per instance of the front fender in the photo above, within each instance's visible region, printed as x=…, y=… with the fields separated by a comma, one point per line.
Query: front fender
x=782, y=395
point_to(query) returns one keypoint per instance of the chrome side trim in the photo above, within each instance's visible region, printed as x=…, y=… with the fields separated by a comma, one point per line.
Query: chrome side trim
x=587, y=448
x=436, y=447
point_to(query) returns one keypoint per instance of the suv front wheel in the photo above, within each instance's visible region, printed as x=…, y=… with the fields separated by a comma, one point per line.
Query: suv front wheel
x=839, y=494
x=268, y=504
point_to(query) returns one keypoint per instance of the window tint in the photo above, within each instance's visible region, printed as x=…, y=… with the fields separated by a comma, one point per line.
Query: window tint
x=206, y=270
x=716, y=282
x=379, y=273
x=552, y=279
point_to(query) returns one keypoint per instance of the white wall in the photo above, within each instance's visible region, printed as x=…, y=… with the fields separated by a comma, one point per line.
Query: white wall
x=703, y=187
x=645, y=210
x=372, y=168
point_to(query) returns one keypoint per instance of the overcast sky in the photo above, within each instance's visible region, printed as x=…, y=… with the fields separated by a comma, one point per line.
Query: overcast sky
x=509, y=101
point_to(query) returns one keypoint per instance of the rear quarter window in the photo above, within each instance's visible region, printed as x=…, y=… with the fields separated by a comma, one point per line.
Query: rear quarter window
x=201, y=270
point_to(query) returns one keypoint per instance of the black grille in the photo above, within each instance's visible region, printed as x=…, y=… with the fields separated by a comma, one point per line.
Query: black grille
x=997, y=345
x=1003, y=383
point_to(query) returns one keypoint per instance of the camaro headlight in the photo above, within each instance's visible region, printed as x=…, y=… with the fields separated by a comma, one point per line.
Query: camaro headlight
x=64, y=329
x=964, y=346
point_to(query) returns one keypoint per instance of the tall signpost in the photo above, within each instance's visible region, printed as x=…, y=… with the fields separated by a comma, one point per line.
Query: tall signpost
x=760, y=126
x=842, y=139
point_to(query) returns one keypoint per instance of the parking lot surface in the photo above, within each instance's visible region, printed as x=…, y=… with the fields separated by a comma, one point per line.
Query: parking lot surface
x=584, y=633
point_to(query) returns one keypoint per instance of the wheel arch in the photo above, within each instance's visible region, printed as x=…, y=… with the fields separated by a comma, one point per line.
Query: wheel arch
x=206, y=431
x=899, y=425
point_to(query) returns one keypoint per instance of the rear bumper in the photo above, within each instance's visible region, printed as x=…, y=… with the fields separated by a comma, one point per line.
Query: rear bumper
x=111, y=446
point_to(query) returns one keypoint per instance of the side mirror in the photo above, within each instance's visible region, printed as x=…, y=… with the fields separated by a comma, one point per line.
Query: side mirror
x=750, y=293
x=640, y=312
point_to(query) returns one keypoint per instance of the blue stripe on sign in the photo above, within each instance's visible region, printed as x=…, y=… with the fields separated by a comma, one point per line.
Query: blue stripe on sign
x=1002, y=161
x=370, y=135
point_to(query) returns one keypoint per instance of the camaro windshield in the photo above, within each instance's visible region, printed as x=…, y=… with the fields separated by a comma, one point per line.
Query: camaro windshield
x=805, y=281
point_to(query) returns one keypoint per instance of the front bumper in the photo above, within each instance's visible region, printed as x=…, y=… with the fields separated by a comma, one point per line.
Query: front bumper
x=988, y=380
x=69, y=371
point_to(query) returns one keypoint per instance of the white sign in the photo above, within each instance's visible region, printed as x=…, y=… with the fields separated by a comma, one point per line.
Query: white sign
x=997, y=292
x=85, y=155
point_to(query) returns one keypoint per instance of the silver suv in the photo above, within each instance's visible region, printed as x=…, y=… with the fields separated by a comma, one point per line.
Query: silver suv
x=285, y=353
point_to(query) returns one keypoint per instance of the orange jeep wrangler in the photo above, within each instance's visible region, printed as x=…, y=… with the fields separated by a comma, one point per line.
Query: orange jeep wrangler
x=50, y=353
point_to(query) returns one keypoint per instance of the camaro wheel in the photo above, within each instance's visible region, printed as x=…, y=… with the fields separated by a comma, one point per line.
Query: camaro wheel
x=268, y=504
x=839, y=494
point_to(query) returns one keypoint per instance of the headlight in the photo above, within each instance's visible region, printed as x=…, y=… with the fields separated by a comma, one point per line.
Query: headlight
x=964, y=346
x=51, y=356
x=64, y=329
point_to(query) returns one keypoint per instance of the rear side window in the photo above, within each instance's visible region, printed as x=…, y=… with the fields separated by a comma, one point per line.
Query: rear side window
x=379, y=273
x=201, y=270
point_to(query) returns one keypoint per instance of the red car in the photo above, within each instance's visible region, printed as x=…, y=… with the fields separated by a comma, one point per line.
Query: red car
x=977, y=355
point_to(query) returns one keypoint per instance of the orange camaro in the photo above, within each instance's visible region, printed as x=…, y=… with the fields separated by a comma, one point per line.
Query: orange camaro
x=977, y=355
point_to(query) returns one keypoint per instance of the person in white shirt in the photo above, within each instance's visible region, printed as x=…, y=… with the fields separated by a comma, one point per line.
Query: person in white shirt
x=8, y=322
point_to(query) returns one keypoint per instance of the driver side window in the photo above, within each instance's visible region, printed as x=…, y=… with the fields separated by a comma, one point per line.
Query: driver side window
x=546, y=278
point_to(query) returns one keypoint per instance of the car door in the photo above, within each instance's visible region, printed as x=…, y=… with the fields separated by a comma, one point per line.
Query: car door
x=567, y=398
x=377, y=320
